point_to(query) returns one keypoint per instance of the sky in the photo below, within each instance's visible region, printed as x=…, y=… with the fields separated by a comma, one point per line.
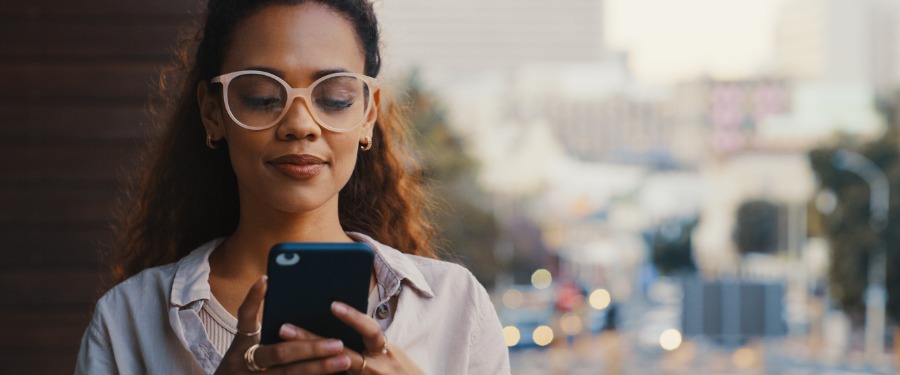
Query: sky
x=673, y=40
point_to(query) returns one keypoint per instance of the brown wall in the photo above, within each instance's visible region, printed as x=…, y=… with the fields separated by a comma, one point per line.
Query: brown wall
x=74, y=80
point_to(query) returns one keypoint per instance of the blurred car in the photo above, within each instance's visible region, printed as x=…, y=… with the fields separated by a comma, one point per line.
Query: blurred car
x=527, y=313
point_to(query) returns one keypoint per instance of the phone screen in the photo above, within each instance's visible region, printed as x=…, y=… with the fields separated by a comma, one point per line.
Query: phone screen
x=305, y=278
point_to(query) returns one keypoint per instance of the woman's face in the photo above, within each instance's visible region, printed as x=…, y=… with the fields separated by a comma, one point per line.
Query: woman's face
x=295, y=166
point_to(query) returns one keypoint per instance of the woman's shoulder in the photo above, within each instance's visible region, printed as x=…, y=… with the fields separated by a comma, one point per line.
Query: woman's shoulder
x=151, y=282
x=429, y=275
x=449, y=279
x=441, y=268
x=182, y=280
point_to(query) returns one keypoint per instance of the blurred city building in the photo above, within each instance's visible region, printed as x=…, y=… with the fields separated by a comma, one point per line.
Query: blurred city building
x=568, y=138
x=600, y=115
x=731, y=111
x=452, y=40
x=854, y=41
x=838, y=54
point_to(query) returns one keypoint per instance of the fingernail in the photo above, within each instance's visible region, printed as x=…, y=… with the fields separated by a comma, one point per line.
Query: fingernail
x=340, y=362
x=265, y=278
x=287, y=331
x=338, y=307
x=333, y=346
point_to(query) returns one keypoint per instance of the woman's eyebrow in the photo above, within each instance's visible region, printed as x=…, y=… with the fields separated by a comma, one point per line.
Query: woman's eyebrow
x=267, y=70
x=321, y=73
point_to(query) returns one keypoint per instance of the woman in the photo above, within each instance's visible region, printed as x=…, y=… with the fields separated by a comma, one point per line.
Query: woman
x=280, y=134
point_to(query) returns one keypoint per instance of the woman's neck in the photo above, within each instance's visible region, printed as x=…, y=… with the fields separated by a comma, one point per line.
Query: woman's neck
x=240, y=260
x=244, y=253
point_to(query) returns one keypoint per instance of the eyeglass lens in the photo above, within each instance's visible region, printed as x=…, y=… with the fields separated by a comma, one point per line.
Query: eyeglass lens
x=338, y=102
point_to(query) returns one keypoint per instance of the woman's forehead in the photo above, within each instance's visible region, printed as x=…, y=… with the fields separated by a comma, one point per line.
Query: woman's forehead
x=299, y=40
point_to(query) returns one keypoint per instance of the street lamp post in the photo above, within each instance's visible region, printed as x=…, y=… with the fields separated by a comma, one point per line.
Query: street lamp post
x=879, y=202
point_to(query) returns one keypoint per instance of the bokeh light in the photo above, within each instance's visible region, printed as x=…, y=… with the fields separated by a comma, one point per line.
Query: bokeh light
x=511, y=335
x=542, y=335
x=513, y=298
x=570, y=324
x=670, y=339
x=600, y=299
x=541, y=279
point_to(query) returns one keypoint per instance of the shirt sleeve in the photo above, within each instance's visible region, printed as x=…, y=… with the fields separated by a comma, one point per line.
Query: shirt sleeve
x=488, y=352
x=95, y=355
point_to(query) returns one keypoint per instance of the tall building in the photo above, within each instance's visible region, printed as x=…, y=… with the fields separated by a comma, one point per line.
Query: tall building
x=620, y=128
x=518, y=64
x=842, y=41
x=460, y=38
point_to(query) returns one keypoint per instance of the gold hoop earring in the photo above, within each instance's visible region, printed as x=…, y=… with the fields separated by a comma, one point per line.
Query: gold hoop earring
x=367, y=145
x=209, y=142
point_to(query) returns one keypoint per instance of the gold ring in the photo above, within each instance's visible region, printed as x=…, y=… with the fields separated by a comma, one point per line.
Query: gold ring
x=384, y=349
x=251, y=334
x=251, y=362
x=363, y=367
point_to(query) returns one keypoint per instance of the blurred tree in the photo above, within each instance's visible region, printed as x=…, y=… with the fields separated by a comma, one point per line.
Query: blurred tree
x=756, y=230
x=671, y=246
x=467, y=231
x=847, y=226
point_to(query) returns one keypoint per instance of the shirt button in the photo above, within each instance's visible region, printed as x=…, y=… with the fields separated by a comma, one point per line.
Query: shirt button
x=382, y=311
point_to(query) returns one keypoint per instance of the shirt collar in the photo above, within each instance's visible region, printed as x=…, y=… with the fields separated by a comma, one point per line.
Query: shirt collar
x=393, y=266
x=191, y=281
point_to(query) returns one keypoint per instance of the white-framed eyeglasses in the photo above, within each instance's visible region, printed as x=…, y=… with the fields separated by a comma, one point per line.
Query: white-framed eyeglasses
x=258, y=100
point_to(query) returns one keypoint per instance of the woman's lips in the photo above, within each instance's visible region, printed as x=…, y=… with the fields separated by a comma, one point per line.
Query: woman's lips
x=300, y=167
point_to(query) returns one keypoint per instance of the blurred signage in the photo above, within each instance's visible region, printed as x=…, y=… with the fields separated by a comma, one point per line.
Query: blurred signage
x=731, y=311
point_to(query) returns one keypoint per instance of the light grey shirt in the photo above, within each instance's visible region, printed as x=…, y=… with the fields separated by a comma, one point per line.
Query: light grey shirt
x=149, y=324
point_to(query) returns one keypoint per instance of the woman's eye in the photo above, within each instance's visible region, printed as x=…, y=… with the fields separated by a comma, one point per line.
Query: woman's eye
x=261, y=102
x=333, y=104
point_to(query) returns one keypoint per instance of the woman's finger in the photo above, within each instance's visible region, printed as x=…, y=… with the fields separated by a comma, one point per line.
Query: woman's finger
x=330, y=365
x=248, y=312
x=297, y=351
x=233, y=361
x=370, y=330
x=289, y=331
x=356, y=362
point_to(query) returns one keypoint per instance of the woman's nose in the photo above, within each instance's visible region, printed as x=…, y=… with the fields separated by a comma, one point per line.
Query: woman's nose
x=298, y=122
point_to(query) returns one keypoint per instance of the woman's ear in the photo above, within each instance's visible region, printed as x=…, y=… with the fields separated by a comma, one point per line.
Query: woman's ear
x=210, y=112
x=373, y=113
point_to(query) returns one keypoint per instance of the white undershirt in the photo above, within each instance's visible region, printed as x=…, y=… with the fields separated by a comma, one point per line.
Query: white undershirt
x=221, y=326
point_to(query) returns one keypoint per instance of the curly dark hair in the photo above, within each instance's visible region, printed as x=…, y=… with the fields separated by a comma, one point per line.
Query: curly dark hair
x=184, y=194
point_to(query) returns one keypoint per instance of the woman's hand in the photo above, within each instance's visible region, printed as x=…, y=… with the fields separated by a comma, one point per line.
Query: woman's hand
x=380, y=357
x=301, y=353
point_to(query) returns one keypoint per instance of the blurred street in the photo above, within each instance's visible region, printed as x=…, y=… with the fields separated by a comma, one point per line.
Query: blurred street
x=625, y=351
x=605, y=354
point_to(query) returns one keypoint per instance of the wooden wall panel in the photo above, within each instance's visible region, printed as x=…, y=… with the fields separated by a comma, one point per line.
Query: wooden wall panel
x=75, y=78
x=88, y=11
x=62, y=205
x=65, y=287
x=53, y=245
x=74, y=124
x=48, y=39
x=46, y=349
x=55, y=326
x=59, y=83
x=62, y=163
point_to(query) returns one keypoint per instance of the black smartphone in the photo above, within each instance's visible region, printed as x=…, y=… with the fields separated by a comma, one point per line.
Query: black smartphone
x=305, y=278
